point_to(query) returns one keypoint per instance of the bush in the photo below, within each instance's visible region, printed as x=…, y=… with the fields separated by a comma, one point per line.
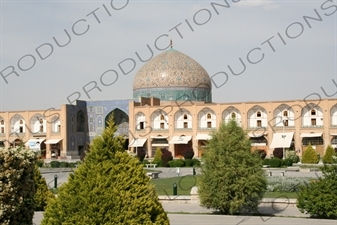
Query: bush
x=17, y=186
x=188, y=153
x=196, y=162
x=64, y=164
x=319, y=198
x=177, y=163
x=115, y=190
x=188, y=162
x=310, y=155
x=273, y=162
x=230, y=148
x=72, y=165
x=166, y=157
x=157, y=158
x=39, y=163
x=288, y=162
x=55, y=164
x=328, y=156
x=293, y=156
x=43, y=194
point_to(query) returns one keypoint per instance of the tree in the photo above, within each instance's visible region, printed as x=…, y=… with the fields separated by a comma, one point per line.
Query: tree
x=17, y=186
x=318, y=198
x=43, y=194
x=310, y=155
x=328, y=156
x=157, y=159
x=232, y=179
x=109, y=187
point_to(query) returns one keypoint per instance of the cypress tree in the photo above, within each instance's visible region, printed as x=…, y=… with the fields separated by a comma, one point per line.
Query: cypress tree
x=328, y=156
x=109, y=187
x=232, y=179
x=310, y=155
x=42, y=191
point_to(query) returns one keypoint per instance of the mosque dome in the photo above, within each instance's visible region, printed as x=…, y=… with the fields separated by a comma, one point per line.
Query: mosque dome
x=172, y=76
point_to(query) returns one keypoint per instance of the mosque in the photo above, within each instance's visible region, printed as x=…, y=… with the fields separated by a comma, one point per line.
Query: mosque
x=171, y=108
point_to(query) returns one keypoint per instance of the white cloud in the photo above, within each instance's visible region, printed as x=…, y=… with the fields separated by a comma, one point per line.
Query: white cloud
x=265, y=4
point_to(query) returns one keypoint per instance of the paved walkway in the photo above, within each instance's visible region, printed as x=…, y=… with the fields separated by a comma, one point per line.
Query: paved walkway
x=194, y=214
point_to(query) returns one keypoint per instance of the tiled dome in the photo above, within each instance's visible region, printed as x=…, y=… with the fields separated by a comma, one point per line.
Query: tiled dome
x=173, y=75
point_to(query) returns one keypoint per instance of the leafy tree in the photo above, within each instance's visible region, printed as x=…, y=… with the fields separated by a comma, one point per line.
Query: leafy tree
x=328, y=156
x=188, y=153
x=166, y=157
x=318, y=198
x=232, y=179
x=42, y=191
x=310, y=155
x=17, y=186
x=109, y=187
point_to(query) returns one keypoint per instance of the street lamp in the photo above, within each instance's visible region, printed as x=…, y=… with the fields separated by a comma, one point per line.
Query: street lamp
x=283, y=136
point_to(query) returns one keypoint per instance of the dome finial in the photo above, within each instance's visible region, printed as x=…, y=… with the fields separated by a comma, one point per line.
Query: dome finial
x=171, y=45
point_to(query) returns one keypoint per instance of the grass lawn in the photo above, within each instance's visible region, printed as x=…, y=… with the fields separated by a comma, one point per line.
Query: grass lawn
x=164, y=186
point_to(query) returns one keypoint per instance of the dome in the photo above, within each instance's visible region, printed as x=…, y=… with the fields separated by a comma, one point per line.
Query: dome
x=172, y=76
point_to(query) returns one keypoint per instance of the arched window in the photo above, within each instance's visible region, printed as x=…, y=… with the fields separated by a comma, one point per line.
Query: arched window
x=162, y=117
x=209, y=116
x=2, y=122
x=185, y=116
x=41, y=121
x=313, y=112
x=258, y=114
x=233, y=115
x=21, y=121
x=285, y=113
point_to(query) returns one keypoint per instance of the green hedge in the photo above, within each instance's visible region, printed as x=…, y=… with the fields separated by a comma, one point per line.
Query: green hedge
x=55, y=164
x=184, y=163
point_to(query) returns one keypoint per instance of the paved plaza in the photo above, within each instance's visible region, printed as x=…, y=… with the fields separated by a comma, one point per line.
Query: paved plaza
x=184, y=214
x=187, y=213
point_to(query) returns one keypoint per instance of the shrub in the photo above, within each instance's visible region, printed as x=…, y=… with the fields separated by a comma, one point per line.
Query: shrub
x=115, y=190
x=177, y=163
x=319, y=198
x=55, y=164
x=272, y=162
x=196, y=162
x=230, y=148
x=293, y=156
x=43, y=194
x=329, y=153
x=157, y=157
x=310, y=155
x=17, y=186
x=188, y=162
x=166, y=157
x=39, y=163
x=288, y=162
x=72, y=165
x=64, y=164
x=188, y=153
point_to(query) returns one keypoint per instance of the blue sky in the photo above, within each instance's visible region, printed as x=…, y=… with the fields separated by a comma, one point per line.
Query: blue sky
x=296, y=66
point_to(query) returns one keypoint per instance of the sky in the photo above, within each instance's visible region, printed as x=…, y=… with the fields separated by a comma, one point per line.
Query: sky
x=253, y=50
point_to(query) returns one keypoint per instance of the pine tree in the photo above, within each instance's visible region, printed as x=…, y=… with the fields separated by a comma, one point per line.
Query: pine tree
x=42, y=191
x=109, y=187
x=232, y=179
x=328, y=156
x=310, y=155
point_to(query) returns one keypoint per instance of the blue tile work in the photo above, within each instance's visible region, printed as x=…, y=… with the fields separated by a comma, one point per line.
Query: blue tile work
x=97, y=111
x=175, y=93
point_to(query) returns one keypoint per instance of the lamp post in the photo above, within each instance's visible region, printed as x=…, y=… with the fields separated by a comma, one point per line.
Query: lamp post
x=136, y=146
x=283, y=136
